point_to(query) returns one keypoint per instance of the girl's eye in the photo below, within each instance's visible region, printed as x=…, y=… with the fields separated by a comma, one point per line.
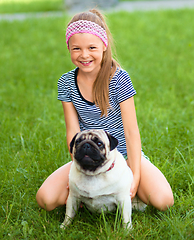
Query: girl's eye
x=75, y=49
x=92, y=48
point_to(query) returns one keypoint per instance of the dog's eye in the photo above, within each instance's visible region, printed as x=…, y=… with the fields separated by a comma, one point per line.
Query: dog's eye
x=78, y=141
x=100, y=144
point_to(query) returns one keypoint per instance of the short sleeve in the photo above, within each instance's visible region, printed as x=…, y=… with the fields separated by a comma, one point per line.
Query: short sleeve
x=63, y=89
x=124, y=87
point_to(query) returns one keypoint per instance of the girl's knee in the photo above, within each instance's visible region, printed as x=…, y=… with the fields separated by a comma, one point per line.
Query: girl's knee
x=164, y=201
x=44, y=200
x=49, y=200
x=169, y=201
x=154, y=186
x=53, y=192
x=40, y=198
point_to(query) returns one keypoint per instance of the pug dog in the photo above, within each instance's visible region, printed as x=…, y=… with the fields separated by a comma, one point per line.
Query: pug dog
x=99, y=176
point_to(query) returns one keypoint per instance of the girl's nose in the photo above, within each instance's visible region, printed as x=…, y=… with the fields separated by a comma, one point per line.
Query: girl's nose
x=84, y=53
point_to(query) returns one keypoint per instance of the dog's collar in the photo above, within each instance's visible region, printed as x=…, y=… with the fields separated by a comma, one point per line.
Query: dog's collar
x=111, y=166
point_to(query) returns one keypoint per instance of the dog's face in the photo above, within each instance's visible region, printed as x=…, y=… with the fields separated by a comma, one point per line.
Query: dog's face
x=91, y=148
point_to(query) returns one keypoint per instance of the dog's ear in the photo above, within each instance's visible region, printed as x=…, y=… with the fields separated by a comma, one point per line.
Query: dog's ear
x=72, y=143
x=113, y=141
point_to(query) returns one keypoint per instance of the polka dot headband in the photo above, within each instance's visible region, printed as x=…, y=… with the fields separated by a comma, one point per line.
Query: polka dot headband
x=85, y=26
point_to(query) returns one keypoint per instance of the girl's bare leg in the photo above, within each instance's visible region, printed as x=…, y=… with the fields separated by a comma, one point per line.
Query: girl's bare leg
x=54, y=191
x=154, y=188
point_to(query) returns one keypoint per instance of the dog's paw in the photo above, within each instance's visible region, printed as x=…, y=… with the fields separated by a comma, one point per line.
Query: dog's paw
x=63, y=226
x=138, y=205
x=66, y=222
x=128, y=226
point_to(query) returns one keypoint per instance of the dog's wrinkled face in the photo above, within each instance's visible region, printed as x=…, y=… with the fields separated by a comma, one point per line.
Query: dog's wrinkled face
x=90, y=148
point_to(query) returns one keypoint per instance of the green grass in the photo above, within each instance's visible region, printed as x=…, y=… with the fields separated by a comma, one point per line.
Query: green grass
x=157, y=50
x=13, y=6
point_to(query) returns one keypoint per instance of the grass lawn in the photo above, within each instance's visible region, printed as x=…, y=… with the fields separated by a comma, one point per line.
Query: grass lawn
x=13, y=6
x=157, y=50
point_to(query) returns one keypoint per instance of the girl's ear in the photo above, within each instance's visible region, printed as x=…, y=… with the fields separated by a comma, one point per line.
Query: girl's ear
x=72, y=143
x=104, y=48
x=113, y=141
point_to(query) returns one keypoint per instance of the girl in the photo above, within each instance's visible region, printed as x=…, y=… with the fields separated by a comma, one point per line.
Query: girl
x=99, y=94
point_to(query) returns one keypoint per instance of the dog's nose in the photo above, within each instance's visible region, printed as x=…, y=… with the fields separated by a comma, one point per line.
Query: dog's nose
x=86, y=146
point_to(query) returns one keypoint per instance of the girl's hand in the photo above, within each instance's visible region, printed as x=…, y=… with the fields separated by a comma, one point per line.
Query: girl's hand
x=134, y=187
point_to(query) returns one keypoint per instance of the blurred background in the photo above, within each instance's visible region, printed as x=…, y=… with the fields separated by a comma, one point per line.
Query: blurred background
x=13, y=6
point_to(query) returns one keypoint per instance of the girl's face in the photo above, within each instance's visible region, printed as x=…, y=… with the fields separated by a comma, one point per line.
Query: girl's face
x=86, y=52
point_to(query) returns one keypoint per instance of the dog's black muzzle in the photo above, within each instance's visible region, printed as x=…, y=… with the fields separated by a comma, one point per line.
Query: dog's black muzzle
x=88, y=155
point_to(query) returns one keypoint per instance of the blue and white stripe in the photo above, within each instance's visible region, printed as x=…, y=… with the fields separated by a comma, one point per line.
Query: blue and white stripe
x=120, y=89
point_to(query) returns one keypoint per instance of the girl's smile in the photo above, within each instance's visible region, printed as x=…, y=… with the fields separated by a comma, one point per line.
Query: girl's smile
x=86, y=52
x=86, y=63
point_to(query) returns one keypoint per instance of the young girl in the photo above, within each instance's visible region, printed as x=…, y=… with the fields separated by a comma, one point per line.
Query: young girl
x=99, y=94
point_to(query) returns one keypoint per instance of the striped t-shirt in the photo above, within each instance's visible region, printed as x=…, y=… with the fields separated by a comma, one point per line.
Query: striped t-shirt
x=89, y=115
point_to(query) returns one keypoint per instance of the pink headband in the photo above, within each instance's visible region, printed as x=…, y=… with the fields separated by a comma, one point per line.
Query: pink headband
x=85, y=26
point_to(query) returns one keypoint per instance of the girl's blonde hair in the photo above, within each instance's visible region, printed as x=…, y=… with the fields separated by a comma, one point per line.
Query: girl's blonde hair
x=108, y=65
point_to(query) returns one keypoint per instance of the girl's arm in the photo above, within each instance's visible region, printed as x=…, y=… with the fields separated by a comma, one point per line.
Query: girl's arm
x=133, y=141
x=71, y=121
